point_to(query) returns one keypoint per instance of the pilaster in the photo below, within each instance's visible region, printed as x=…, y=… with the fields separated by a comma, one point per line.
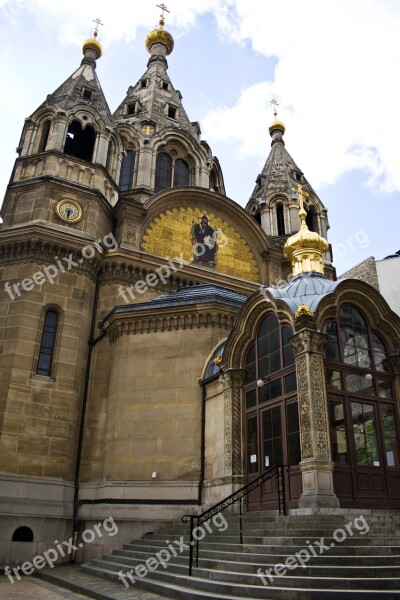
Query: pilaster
x=232, y=381
x=316, y=464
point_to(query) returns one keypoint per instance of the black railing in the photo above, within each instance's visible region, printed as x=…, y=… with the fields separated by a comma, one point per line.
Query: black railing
x=196, y=521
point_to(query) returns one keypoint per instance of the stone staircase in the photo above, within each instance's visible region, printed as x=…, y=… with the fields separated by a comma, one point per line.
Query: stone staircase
x=347, y=563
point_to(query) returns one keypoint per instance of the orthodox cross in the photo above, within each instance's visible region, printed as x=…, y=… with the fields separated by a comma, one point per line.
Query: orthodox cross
x=301, y=194
x=163, y=8
x=96, y=29
x=275, y=107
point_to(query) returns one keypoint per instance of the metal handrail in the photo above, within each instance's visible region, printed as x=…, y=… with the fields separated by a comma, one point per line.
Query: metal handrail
x=197, y=520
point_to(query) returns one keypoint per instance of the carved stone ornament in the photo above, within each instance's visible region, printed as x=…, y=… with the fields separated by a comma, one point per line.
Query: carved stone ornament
x=304, y=309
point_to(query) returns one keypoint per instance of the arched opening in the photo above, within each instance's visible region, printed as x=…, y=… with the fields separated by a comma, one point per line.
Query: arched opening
x=23, y=534
x=364, y=424
x=271, y=410
x=280, y=219
x=163, y=172
x=181, y=173
x=44, y=136
x=127, y=168
x=47, y=343
x=170, y=172
x=80, y=142
x=312, y=219
x=214, y=181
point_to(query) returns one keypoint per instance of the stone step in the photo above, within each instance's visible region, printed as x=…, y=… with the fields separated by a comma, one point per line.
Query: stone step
x=275, y=547
x=181, y=586
x=293, y=579
x=290, y=540
x=368, y=565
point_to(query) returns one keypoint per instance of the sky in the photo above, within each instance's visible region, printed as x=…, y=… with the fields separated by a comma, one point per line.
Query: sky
x=332, y=65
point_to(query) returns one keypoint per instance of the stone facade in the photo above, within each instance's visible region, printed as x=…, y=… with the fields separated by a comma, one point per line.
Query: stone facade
x=125, y=423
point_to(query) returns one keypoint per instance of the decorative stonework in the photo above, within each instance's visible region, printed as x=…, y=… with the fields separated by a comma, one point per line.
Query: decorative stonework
x=316, y=464
x=233, y=435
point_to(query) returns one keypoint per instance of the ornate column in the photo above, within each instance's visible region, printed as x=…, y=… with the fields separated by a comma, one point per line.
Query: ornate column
x=232, y=381
x=316, y=464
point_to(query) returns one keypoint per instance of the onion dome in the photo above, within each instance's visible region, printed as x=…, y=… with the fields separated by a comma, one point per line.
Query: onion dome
x=160, y=36
x=305, y=249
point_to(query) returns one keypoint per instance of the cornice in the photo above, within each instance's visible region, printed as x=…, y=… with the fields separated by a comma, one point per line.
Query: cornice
x=162, y=319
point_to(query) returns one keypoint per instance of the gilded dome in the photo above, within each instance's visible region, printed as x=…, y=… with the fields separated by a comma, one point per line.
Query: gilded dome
x=92, y=44
x=160, y=36
x=276, y=125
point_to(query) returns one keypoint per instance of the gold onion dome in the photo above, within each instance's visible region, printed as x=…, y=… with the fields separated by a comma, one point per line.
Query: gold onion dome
x=305, y=249
x=160, y=36
x=92, y=44
x=276, y=125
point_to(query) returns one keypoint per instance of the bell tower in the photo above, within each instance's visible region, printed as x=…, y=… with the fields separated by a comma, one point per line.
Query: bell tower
x=274, y=200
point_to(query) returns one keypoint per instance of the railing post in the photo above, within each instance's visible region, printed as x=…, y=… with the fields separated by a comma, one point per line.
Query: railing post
x=240, y=521
x=191, y=546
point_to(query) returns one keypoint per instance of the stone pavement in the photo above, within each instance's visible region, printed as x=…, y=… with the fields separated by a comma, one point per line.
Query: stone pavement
x=89, y=586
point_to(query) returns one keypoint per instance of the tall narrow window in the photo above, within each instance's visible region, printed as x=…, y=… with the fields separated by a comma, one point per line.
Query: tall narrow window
x=44, y=136
x=163, y=172
x=127, y=167
x=80, y=142
x=47, y=343
x=181, y=173
x=280, y=220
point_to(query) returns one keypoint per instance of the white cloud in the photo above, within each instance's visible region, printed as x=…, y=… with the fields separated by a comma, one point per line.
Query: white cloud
x=336, y=79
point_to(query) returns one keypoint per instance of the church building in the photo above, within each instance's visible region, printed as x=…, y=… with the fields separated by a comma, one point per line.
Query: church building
x=160, y=345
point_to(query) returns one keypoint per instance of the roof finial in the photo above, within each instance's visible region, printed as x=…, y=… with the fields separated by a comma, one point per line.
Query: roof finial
x=162, y=17
x=305, y=249
x=275, y=105
x=96, y=29
x=301, y=195
x=158, y=39
x=92, y=48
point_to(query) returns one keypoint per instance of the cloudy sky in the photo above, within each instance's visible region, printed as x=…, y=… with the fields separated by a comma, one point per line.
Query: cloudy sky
x=333, y=66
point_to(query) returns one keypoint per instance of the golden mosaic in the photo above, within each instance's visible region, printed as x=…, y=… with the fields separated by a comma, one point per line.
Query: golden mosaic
x=204, y=240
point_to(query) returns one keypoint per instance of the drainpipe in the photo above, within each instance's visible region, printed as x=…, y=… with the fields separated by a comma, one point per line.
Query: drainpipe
x=91, y=343
x=202, y=441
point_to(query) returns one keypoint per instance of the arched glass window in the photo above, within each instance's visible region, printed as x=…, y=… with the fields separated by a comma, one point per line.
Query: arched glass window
x=170, y=172
x=362, y=408
x=181, y=173
x=280, y=219
x=271, y=406
x=163, y=172
x=47, y=343
x=212, y=366
x=80, y=142
x=127, y=167
x=44, y=136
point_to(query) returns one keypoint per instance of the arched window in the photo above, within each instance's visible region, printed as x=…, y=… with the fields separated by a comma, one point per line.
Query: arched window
x=44, y=136
x=23, y=534
x=272, y=423
x=127, y=167
x=214, y=181
x=212, y=366
x=311, y=219
x=280, y=219
x=181, y=173
x=80, y=142
x=169, y=172
x=361, y=400
x=163, y=172
x=47, y=343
